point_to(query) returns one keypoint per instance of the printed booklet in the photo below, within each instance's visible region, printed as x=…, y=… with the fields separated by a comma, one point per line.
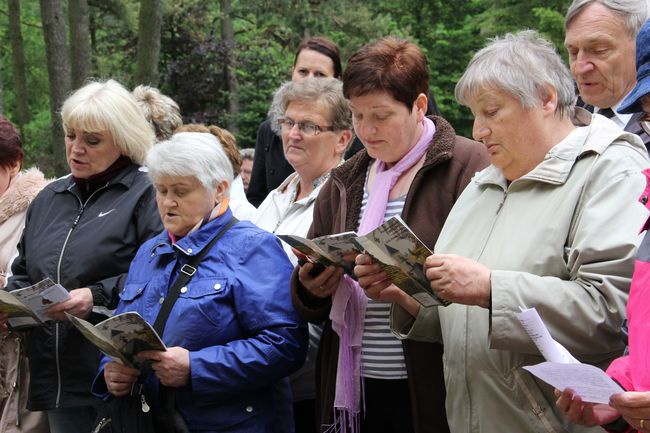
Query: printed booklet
x=121, y=337
x=392, y=245
x=27, y=306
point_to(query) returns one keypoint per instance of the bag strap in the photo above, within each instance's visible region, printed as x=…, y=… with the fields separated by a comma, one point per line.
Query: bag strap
x=187, y=272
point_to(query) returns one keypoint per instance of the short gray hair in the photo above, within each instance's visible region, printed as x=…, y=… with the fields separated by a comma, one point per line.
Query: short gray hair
x=633, y=12
x=522, y=65
x=248, y=153
x=196, y=154
x=329, y=91
x=160, y=110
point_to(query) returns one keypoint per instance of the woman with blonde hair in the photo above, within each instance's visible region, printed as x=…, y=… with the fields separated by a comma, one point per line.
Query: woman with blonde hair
x=82, y=231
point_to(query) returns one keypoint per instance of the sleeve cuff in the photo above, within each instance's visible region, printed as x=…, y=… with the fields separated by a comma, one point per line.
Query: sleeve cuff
x=425, y=327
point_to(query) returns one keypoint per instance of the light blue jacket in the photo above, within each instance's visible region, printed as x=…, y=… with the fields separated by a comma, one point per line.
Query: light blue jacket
x=236, y=320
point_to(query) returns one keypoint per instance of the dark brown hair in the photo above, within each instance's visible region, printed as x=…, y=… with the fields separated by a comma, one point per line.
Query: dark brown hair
x=324, y=46
x=395, y=66
x=225, y=137
x=11, y=145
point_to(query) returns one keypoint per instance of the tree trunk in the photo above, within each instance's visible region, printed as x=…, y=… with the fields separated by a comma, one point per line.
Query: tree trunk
x=18, y=64
x=2, y=95
x=229, y=66
x=150, y=23
x=58, y=72
x=80, y=55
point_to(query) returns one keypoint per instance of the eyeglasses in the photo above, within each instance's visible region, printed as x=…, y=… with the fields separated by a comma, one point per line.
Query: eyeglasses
x=307, y=128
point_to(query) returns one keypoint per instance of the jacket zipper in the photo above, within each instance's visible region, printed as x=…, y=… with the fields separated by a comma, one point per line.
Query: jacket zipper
x=58, y=280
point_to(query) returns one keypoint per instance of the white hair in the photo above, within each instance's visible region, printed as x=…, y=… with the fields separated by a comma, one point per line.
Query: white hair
x=633, y=12
x=196, y=154
x=523, y=65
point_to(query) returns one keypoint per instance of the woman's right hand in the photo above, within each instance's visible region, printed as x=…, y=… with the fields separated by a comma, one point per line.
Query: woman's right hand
x=119, y=378
x=322, y=285
x=587, y=414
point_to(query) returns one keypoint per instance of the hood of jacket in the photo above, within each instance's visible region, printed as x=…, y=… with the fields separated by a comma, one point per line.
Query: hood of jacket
x=21, y=192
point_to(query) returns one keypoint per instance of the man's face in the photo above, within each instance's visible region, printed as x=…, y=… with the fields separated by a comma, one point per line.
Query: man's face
x=601, y=55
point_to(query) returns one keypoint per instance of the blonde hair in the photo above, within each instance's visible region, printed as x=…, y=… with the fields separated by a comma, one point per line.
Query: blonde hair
x=101, y=106
x=160, y=110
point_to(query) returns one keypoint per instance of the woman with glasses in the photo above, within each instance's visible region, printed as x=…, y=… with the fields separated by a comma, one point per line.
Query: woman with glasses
x=413, y=166
x=314, y=122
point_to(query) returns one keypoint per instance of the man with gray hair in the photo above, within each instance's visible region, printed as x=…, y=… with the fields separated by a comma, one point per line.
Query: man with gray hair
x=600, y=37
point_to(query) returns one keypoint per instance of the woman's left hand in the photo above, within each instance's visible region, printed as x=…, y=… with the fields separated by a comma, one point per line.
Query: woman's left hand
x=634, y=406
x=172, y=366
x=459, y=279
x=79, y=305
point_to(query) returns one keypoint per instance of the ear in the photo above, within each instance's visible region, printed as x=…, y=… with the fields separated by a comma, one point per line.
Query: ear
x=344, y=140
x=420, y=106
x=549, y=100
x=13, y=170
x=221, y=191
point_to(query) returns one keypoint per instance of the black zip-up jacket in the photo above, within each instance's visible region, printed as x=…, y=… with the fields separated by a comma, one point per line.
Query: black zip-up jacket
x=79, y=244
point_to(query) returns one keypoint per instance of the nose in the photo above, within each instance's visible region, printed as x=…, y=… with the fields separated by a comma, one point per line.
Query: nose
x=362, y=128
x=294, y=132
x=76, y=146
x=582, y=64
x=479, y=130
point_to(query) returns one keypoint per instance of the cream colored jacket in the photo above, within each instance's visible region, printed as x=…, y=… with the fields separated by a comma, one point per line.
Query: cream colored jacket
x=561, y=239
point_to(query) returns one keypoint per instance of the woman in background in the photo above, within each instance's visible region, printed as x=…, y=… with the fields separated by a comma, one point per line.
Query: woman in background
x=17, y=190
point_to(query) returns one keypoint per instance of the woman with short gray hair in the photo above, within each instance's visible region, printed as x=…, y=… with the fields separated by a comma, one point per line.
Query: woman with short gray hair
x=235, y=335
x=314, y=121
x=551, y=224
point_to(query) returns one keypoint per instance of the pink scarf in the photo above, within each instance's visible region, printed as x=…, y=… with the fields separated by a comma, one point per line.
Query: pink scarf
x=349, y=302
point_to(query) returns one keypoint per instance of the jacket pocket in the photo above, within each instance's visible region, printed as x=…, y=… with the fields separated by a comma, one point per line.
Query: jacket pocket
x=206, y=300
x=131, y=292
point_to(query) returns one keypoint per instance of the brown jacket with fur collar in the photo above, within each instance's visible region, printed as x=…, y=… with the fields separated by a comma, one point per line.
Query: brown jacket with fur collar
x=450, y=163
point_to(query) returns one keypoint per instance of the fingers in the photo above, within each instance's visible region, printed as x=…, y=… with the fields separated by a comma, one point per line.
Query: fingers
x=119, y=378
x=323, y=285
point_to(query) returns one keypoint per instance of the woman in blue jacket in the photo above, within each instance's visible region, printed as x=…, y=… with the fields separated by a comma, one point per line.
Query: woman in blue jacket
x=232, y=335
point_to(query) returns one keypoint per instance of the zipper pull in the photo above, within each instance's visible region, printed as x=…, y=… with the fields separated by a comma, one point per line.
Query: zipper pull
x=145, y=406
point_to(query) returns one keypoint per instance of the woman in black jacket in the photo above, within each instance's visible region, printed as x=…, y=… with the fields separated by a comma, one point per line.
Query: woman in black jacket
x=82, y=231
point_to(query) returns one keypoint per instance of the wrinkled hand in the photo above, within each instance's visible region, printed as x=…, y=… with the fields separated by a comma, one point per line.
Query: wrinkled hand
x=377, y=286
x=79, y=305
x=323, y=285
x=634, y=406
x=587, y=414
x=459, y=279
x=119, y=378
x=172, y=366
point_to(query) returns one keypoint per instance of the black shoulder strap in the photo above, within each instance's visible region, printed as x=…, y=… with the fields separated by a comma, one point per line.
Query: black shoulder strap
x=187, y=272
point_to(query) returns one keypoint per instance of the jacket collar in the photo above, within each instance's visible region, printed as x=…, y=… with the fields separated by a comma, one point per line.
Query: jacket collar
x=590, y=138
x=193, y=243
x=126, y=177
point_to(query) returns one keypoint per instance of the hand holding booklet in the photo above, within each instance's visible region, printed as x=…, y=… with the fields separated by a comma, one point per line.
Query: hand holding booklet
x=121, y=337
x=28, y=306
x=392, y=245
x=561, y=370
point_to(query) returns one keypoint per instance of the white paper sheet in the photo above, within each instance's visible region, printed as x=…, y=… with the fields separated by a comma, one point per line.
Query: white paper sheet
x=549, y=348
x=591, y=383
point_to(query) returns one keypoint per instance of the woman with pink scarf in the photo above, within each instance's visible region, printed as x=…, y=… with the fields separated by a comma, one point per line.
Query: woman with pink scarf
x=413, y=166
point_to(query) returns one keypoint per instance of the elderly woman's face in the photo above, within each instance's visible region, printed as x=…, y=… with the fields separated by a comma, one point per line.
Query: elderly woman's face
x=89, y=153
x=183, y=202
x=509, y=131
x=387, y=129
x=309, y=153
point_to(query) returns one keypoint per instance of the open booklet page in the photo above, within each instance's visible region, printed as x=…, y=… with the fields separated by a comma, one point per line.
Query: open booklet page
x=28, y=306
x=561, y=370
x=401, y=255
x=121, y=337
x=329, y=250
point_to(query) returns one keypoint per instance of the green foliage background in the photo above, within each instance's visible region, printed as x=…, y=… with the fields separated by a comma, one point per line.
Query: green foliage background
x=266, y=35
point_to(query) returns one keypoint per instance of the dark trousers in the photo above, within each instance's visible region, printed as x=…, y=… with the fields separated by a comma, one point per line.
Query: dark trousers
x=388, y=406
x=304, y=416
